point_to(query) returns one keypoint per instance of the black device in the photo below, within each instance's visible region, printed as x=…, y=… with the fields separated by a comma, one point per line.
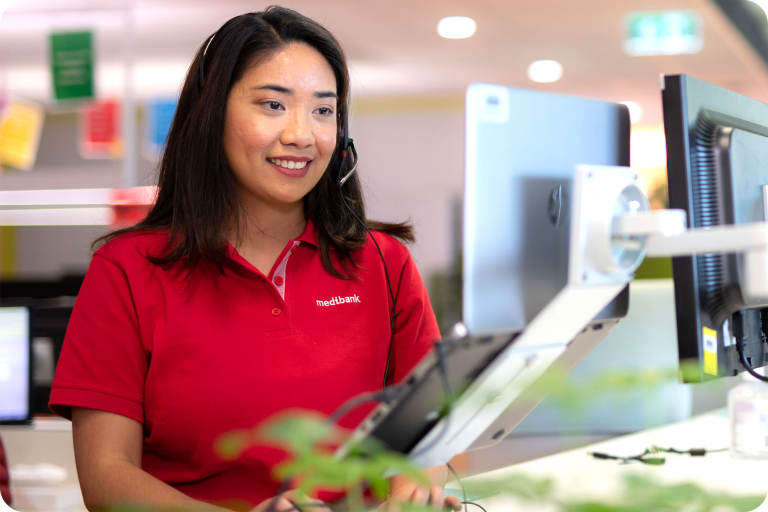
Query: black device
x=717, y=160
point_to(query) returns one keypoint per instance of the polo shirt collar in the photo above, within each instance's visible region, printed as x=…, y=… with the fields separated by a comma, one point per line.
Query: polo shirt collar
x=308, y=235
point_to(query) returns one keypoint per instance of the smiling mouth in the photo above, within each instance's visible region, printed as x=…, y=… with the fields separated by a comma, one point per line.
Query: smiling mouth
x=288, y=164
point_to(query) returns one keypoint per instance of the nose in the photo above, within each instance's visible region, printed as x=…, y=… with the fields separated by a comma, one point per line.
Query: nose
x=298, y=130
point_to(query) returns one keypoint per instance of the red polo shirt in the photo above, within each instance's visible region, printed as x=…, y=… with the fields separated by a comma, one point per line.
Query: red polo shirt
x=193, y=358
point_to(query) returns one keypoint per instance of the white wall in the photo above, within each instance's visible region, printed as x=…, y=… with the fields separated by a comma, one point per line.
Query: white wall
x=411, y=165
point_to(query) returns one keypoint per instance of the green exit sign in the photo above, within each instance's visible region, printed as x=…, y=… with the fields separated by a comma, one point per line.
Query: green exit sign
x=663, y=33
x=72, y=65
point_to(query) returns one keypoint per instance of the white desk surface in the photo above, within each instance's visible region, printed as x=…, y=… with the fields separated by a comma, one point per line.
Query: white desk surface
x=578, y=475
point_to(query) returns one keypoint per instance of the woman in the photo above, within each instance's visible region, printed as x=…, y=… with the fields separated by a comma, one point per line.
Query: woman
x=250, y=288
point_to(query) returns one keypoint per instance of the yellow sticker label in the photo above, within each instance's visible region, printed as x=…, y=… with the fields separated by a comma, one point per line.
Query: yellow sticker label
x=709, y=343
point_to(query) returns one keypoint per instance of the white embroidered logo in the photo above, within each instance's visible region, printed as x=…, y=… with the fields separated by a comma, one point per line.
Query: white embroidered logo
x=338, y=300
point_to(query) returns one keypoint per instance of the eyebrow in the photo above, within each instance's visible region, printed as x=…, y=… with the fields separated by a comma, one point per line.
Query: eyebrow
x=286, y=90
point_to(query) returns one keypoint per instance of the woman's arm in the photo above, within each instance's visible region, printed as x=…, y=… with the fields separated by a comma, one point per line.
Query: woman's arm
x=108, y=456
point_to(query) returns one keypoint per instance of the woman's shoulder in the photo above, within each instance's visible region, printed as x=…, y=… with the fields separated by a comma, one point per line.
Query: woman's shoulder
x=391, y=247
x=132, y=248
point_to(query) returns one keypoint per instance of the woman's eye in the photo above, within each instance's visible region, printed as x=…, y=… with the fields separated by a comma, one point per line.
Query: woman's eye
x=324, y=111
x=273, y=105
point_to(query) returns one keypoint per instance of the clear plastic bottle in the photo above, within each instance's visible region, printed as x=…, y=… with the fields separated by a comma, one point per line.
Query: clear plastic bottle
x=748, y=415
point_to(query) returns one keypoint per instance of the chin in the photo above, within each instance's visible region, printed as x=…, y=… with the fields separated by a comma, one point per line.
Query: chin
x=288, y=199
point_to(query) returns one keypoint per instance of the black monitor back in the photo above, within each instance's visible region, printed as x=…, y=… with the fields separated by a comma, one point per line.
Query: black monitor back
x=717, y=159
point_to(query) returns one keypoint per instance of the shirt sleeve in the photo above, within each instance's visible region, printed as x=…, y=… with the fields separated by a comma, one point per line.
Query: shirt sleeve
x=416, y=328
x=103, y=363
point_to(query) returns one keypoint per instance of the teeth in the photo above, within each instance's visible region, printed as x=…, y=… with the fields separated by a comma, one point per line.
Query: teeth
x=288, y=164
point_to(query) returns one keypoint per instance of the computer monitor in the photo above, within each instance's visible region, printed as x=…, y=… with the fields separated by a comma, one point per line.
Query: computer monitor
x=717, y=161
x=15, y=364
x=52, y=302
x=522, y=151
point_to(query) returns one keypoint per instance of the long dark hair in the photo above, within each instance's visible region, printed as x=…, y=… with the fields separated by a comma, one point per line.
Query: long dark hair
x=198, y=201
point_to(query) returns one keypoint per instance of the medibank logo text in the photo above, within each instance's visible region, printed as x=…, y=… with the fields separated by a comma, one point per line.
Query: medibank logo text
x=338, y=300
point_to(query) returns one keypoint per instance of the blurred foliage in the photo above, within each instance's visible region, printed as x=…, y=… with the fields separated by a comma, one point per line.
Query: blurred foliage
x=311, y=465
x=311, y=442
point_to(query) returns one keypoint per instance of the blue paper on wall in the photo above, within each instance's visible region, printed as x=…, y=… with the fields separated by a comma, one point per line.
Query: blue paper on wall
x=159, y=117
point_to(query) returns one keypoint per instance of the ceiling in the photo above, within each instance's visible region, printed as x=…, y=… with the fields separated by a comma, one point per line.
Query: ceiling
x=392, y=45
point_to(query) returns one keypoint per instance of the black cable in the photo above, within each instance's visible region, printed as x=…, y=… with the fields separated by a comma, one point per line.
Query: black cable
x=739, y=331
x=386, y=395
x=463, y=491
x=301, y=506
x=745, y=363
x=654, y=460
x=472, y=503
x=386, y=273
x=694, y=452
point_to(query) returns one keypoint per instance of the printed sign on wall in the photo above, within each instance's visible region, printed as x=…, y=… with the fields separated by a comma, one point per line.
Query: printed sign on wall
x=159, y=117
x=20, y=128
x=100, y=130
x=72, y=65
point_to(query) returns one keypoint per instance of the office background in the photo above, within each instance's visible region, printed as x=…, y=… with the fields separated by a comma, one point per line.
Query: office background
x=407, y=101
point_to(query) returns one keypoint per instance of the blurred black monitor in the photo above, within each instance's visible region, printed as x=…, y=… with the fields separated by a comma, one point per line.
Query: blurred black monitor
x=717, y=161
x=53, y=301
x=15, y=363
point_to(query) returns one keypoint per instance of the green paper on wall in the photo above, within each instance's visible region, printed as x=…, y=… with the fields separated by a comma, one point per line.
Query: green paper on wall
x=72, y=65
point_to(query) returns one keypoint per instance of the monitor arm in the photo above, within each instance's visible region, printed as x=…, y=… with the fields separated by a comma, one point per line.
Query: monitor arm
x=664, y=233
x=612, y=230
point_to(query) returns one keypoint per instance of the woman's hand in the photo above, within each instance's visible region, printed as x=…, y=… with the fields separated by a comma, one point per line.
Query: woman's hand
x=403, y=489
x=435, y=497
x=289, y=501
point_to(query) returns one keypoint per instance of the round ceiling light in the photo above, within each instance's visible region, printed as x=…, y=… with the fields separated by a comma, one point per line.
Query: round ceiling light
x=456, y=27
x=635, y=111
x=545, y=71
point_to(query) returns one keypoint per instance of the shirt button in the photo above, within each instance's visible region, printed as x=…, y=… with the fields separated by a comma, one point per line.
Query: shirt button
x=279, y=281
x=275, y=311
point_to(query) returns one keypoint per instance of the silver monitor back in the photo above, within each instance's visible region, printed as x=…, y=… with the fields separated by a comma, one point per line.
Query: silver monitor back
x=521, y=150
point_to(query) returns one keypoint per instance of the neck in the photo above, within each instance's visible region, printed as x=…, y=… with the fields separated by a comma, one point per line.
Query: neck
x=265, y=225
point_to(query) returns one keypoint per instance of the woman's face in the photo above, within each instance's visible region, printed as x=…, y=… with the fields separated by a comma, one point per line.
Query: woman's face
x=280, y=127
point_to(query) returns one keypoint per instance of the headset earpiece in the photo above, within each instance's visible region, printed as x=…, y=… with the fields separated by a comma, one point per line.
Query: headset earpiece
x=345, y=135
x=347, y=146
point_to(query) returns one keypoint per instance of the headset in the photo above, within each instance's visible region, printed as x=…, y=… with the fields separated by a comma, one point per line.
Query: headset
x=202, y=59
x=347, y=149
x=347, y=144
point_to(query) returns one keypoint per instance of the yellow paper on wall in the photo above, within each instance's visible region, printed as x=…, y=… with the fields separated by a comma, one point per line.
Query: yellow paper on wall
x=709, y=343
x=20, y=129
